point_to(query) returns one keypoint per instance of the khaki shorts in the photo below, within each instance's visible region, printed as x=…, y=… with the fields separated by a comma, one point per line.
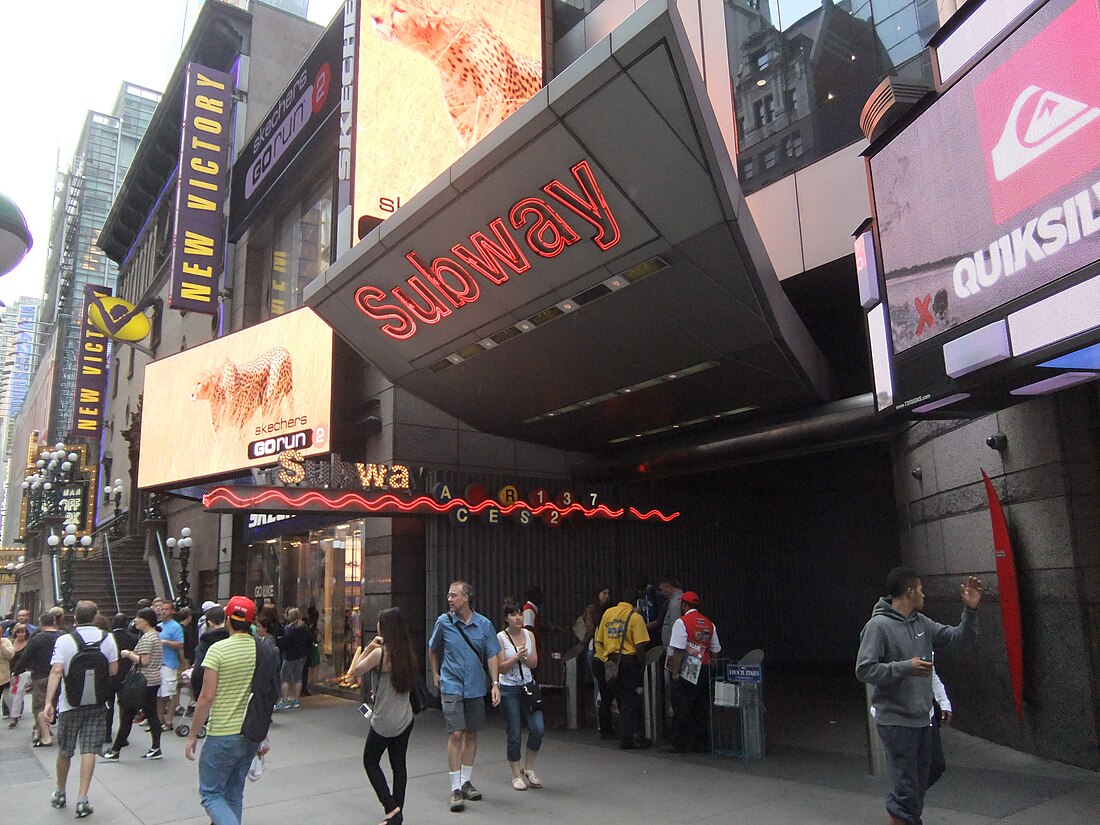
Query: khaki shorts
x=167, y=682
x=463, y=714
x=38, y=695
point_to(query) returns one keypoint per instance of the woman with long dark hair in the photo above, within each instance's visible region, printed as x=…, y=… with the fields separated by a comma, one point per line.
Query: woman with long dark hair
x=518, y=658
x=593, y=613
x=390, y=663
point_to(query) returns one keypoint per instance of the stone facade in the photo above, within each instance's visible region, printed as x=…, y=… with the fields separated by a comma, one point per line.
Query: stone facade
x=1048, y=479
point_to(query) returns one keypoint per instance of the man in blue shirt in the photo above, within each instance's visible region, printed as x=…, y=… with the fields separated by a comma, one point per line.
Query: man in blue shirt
x=171, y=636
x=463, y=645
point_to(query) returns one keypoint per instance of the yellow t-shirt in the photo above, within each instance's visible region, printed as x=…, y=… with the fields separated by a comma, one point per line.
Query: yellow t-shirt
x=234, y=659
x=612, y=626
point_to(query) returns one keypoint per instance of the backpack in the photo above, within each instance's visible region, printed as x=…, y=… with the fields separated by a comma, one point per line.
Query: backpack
x=88, y=681
x=265, y=692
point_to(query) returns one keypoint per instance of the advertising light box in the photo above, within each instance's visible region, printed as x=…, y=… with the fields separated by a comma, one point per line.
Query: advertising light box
x=238, y=401
x=433, y=79
x=994, y=190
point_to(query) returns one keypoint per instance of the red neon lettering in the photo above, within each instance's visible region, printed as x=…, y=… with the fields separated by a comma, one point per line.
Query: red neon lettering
x=466, y=294
x=435, y=310
x=550, y=234
x=592, y=207
x=367, y=295
x=484, y=258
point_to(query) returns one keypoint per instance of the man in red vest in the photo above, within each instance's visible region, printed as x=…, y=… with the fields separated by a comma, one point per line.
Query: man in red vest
x=694, y=641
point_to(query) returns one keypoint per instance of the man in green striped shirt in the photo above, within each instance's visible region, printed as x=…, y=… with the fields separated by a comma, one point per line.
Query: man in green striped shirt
x=226, y=685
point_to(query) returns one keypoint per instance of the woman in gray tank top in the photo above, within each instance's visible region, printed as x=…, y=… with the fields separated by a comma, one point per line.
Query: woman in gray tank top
x=390, y=664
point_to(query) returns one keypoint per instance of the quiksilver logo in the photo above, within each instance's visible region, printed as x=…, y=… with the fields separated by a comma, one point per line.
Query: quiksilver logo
x=1053, y=118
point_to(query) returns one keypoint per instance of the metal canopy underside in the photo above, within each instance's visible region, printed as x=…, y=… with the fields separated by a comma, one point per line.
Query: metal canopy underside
x=634, y=108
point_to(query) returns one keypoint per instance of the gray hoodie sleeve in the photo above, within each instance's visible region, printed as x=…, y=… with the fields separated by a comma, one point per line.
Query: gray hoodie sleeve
x=869, y=665
x=967, y=628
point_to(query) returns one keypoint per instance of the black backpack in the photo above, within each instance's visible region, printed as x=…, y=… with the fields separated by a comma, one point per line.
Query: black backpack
x=266, y=690
x=88, y=681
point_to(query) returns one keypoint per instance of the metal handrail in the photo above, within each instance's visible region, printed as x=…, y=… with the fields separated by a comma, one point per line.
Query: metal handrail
x=111, y=570
x=164, y=568
x=56, y=578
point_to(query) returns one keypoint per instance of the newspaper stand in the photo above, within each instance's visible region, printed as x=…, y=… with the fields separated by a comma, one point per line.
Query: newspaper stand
x=737, y=709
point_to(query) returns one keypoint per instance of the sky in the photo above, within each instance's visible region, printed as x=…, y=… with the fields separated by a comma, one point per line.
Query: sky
x=63, y=59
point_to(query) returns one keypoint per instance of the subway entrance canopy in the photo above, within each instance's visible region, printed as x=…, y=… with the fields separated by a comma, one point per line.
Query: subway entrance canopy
x=589, y=271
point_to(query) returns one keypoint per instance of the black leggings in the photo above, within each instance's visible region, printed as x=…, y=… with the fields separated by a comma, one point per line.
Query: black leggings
x=372, y=764
x=127, y=720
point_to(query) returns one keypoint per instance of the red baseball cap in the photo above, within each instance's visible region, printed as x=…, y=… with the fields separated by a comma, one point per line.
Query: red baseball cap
x=691, y=597
x=242, y=608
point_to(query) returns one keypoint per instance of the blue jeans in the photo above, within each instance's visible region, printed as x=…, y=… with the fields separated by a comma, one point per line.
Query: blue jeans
x=511, y=700
x=223, y=769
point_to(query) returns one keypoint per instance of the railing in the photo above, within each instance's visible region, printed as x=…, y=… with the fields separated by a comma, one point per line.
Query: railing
x=111, y=570
x=164, y=568
x=56, y=578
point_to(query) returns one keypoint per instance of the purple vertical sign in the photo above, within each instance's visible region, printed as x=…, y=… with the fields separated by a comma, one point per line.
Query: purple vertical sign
x=198, y=245
x=91, y=372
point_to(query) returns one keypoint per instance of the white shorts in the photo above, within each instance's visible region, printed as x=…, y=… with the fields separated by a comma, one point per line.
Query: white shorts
x=167, y=682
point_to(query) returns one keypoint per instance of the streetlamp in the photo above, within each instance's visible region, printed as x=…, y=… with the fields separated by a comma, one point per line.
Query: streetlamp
x=182, y=549
x=44, y=486
x=15, y=236
x=113, y=495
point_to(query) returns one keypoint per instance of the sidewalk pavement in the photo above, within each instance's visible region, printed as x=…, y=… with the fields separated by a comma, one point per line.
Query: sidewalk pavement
x=314, y=774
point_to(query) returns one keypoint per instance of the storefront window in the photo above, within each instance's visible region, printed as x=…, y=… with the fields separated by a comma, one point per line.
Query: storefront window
x=320, y=573
x=301, y=250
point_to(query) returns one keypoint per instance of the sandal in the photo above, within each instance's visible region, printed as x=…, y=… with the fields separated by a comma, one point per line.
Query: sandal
x=519, y=784
x=532, y=780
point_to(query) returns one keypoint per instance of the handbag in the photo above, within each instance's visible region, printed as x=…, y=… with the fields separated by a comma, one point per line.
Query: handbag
x=611, y=666
x=532, y=693
x=420, y=697
x=131, y=695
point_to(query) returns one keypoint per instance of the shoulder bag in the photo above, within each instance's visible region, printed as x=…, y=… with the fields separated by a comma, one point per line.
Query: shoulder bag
x=532, y=693
x=611, y=666
x=481, y=657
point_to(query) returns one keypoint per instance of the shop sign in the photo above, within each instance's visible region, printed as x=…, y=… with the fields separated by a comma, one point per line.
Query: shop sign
x=305, y=105
x=1014, y=145
x=536, y=223
x=295, y=470
x=91, y=371
x=199, y=236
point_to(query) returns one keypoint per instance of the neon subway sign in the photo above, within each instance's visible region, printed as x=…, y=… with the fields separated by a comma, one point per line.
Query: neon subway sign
x=438, y=288
x=283, y=499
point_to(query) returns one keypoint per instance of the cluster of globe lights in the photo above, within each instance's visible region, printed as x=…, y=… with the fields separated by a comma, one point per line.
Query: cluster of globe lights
x=15, y=565
x=48, y=465
x=183, y=543
x=53, y=464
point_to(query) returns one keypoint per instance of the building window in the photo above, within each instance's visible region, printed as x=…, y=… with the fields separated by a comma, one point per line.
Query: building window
x=769, y=159
x=301, y=250
x=769, y=108
x=761, y=60
x=791, y=101
x=747, y=169
x=114, y=383
x=758, y=113
x=754, y=5
x=130, y=366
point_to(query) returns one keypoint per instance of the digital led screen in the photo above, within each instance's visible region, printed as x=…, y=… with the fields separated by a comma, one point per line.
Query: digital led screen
x=994, y=190
x=238, y=401
x=434, y=77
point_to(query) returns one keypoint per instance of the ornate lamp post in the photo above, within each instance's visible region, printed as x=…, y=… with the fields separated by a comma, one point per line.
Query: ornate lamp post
x=113, y=496
x=181, y=547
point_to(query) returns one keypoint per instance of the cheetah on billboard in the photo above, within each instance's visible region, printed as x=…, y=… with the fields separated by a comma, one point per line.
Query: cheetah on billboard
x=434, y=77
x=238, y=401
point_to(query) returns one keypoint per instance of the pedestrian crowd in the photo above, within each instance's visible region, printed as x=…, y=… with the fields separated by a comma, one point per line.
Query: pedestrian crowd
x=240, y=665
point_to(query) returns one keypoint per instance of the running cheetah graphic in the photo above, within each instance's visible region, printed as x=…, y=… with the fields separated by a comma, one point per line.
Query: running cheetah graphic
x=484, y=79
x=237, y=391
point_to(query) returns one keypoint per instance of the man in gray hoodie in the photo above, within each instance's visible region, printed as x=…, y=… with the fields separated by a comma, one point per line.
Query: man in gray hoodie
x=895, y=656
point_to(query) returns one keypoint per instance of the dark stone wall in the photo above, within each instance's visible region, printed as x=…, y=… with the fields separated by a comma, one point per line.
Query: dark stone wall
x=1048, y=479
